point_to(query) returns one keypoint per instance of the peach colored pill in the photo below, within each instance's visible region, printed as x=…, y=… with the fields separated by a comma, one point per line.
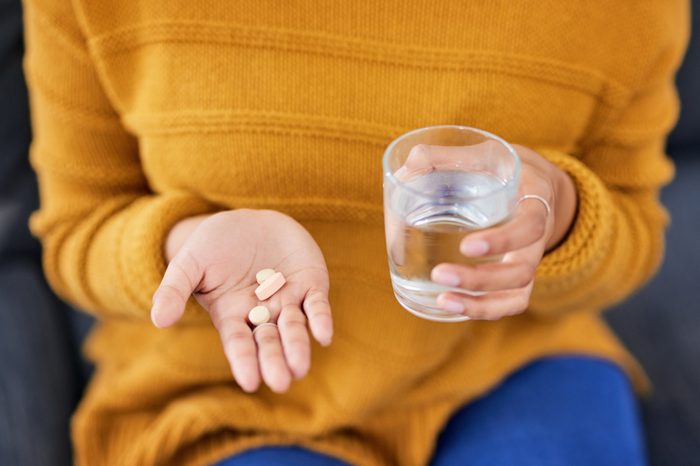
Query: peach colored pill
x=270, y=286
x=259, y=315
x=263, y=275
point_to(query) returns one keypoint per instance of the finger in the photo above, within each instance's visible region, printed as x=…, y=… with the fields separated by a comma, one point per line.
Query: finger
x=273, y=365
x=181, y=279
x=240, y=350
x=423, y=158
x=485, y=277
x=490, y=306
x=527, y=226
x=427, y=156
x=318, y=311
x=295, y=340
x=420, y=160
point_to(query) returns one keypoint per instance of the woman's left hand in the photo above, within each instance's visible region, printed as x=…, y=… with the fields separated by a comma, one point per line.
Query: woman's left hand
x=533, y=229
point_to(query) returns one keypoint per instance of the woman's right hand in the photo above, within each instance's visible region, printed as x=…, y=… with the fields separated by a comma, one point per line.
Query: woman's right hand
x=216, y=259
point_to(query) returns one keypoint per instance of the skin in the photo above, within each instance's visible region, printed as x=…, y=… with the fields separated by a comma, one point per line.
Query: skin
x=215, y=257
x=523, y=241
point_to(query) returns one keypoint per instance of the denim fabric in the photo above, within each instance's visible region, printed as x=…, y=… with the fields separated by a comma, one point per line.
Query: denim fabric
x=557, y=411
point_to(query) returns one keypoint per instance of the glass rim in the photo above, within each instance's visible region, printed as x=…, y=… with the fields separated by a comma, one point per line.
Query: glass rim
x=398, y=183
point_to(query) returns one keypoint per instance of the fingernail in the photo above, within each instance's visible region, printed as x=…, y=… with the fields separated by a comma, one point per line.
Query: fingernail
x=326, y=341
x=444, y=277
x=154, y=315
x=474, y=248
x=450, y=305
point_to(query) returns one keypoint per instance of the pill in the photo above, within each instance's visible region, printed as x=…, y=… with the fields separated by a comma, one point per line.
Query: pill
x=270, y=286
x=263, y=275
x=259, y=315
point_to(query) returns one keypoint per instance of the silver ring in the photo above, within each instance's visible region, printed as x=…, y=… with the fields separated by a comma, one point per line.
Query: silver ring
x=539, y=198
x=264, y=324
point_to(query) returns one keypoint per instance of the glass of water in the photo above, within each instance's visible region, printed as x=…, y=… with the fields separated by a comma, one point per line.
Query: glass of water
x=442, y=183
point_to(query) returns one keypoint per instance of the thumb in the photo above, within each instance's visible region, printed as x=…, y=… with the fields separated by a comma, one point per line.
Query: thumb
x=180, y=280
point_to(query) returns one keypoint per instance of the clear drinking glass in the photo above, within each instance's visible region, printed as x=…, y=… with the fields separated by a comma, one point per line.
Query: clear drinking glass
x=442, y=183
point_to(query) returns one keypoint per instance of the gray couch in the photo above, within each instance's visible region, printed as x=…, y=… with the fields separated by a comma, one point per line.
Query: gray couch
x=661, y=324
x=39, y=382
x=42, y=373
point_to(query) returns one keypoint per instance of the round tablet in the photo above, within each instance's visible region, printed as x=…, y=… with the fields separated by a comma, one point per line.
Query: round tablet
x=263, y=275
x=259, y=315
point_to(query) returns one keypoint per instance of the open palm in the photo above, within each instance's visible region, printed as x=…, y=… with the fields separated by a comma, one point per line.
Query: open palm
x=218, y=262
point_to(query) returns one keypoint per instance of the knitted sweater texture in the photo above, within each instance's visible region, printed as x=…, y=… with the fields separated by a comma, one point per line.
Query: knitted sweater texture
x=147, y=112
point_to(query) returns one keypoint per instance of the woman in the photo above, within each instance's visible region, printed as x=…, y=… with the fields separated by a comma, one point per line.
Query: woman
x=183, y=146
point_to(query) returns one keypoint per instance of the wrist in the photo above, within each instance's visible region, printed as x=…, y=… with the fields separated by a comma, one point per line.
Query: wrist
x=179, y=233
x=229, y=220
x=564, y=209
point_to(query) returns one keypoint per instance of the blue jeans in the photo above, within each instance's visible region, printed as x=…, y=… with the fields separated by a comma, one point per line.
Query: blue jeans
x=563, y=411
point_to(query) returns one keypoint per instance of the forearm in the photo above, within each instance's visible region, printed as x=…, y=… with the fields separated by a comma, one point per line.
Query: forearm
x=103, y=229
x=564, y=208
x=614, y=245
x=109, y=261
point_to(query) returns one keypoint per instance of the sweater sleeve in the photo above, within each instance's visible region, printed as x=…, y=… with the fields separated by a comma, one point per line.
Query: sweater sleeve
x=101, y=227
x=617, y=240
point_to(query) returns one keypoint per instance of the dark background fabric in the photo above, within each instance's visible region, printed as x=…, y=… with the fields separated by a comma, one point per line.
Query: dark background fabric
x=661, y=324
x=684, y=141
x=42, y=374
x=38, y=382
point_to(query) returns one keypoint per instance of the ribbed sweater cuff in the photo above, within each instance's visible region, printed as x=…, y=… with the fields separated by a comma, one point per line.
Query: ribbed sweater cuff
x=141, y=252
x=586, y=245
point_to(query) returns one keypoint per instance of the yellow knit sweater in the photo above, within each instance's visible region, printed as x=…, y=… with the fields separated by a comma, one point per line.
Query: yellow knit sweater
x=146, y=112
